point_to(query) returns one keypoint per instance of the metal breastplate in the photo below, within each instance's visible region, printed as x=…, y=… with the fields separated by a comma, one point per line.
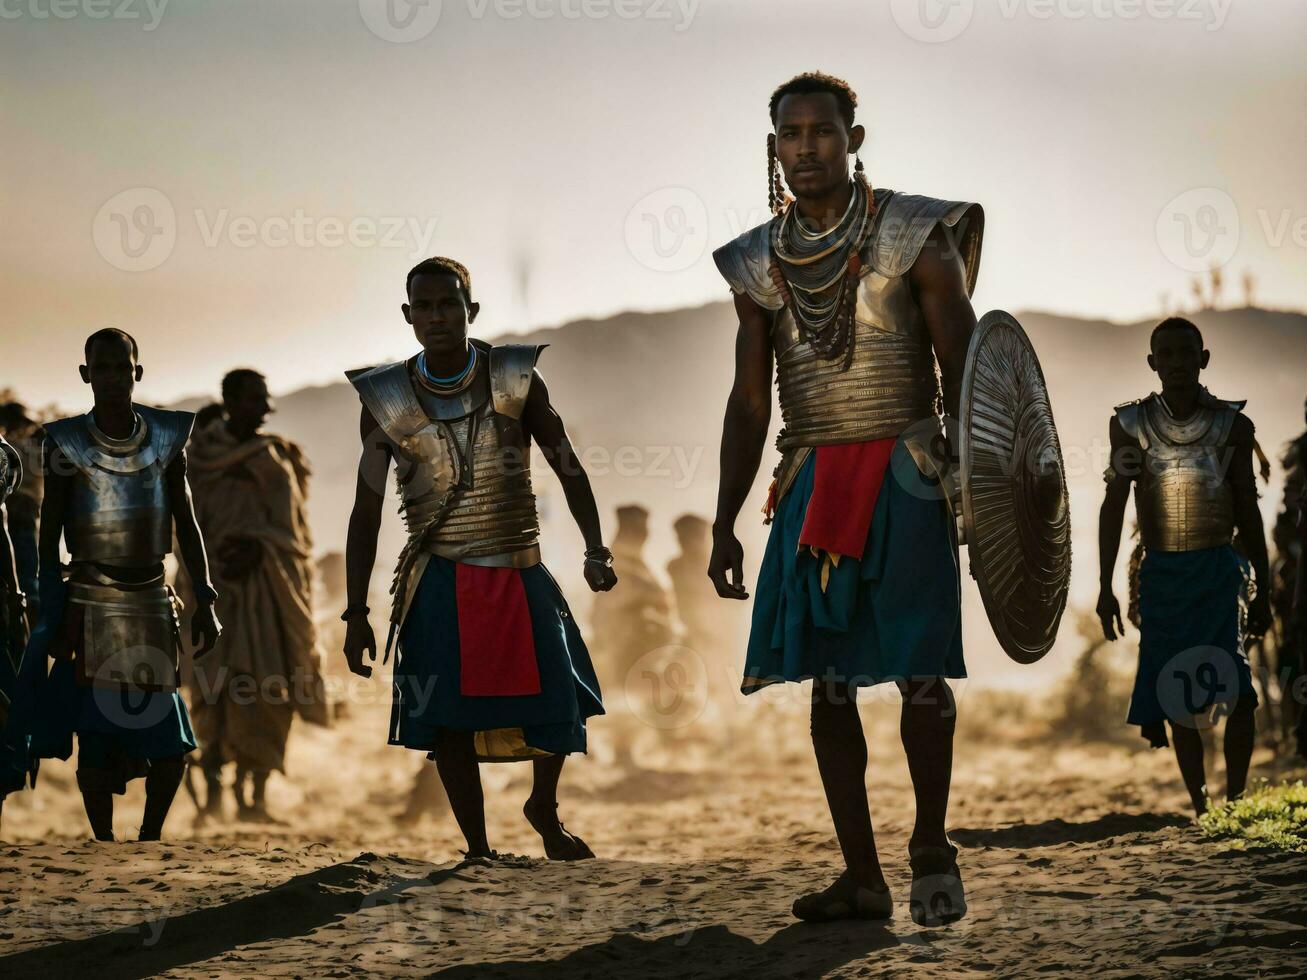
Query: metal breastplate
x=889, y=383
x=1182, y=499
x=463, y=460
x=118, y=504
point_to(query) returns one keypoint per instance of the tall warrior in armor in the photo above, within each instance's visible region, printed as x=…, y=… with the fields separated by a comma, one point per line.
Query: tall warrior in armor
x=251, y=499
x=853, y=294
x=115, y=489
x=490, y=665
x=1189, y=456
x=16, y=763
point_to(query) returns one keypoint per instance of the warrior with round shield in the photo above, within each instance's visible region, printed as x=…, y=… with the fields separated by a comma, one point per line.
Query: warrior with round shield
x=490, y=664
x=1189, y=457
x=115, y=491
x=854, y=295
x=16, y=764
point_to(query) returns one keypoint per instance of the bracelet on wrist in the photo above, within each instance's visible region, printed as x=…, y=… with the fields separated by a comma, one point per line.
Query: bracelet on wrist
x=354, y=612
x=601, y=555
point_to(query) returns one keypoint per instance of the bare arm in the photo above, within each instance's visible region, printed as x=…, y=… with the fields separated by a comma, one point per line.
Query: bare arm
x=939, y=283
x=361, y=540
x=8, y=568
x=744, y=432
x=54, y=506
x=1248, y=520
x=190, y=543
x=543, y=424
x=1126, y=458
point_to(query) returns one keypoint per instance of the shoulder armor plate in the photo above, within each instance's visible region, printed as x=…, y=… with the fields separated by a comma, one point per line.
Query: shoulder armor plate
x=905, y=221
x=745, y=264
x=1128, y=414
x=511, y=368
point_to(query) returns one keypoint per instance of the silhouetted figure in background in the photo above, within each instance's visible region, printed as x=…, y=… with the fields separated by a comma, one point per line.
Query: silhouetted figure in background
x=631, y=621
x=1288, y=535
x=251, y=500
x=1189, y=457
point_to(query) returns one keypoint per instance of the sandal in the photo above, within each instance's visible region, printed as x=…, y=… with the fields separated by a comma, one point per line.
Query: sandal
x=845, y=899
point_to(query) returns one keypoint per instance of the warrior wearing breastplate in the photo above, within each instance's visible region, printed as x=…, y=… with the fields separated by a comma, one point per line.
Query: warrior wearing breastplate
x=490, y=664
x=16, y=764
x=1189, y=456
x=854, y=294
x=115, y=488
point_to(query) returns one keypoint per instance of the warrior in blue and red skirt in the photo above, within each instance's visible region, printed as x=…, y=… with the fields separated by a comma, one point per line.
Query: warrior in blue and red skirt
x=490, y=664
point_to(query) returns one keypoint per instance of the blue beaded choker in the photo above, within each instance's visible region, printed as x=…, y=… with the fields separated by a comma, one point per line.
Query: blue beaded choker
x=449, y=382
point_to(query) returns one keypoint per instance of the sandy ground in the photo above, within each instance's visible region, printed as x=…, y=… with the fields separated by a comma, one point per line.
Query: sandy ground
x=1076, y=859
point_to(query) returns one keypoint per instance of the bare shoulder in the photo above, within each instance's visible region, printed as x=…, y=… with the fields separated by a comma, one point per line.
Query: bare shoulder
x=1242, y=430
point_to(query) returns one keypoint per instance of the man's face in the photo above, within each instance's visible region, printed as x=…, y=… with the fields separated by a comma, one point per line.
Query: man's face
x=813, y=144
x=111, y=371
x=439, y=312
x=1177, y=357
x=249, y=407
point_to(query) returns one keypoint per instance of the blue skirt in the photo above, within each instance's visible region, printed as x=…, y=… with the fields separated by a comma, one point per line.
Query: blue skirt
x=17, y=766
x=894, y=614
x=1190, y=657
x=427, y=697
x=110, y=724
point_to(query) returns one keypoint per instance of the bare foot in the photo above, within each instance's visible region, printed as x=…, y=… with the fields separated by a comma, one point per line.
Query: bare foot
x=559, y=844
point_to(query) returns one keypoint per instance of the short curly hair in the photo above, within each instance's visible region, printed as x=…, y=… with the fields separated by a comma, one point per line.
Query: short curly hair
x=816, y=83
x=439, y=264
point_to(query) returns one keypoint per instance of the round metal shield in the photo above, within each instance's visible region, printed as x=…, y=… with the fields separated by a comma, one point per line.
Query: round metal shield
x=1013, y=487
x=11, y=469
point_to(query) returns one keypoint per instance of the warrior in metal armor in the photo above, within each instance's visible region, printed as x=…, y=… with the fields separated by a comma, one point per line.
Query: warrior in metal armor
x=16, y=764
x=489, y=662
x=1189, y=456
x=855, y=295
x=115, y=490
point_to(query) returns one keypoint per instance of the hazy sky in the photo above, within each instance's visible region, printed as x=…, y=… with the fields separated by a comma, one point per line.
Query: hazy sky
x=248, y=182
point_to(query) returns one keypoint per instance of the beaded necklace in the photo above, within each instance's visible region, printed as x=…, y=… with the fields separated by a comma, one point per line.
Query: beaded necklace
x=816, y=273
x=452, y=385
